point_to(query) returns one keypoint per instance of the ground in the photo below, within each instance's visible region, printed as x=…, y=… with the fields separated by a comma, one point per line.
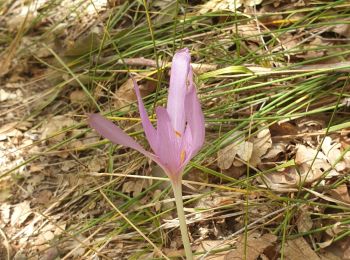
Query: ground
x=272, y=180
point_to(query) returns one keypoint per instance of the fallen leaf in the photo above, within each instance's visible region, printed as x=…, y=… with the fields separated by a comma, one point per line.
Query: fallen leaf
x=5, y=193
x=340, y=193
x=250, y=2
x=44, y=237
x=9, y=130
x=67, y=165
x=245, y=150
x=96, y=164
x=309, y=125
x=249, y=151
x=55, y=125
x=51, y=253
x=4, y=95
x=135, y=187
x=20, y=213
x=283, y=128
x=226, y=156
x=332, y=150
x=304, y=221
x=79, y=97
x=327, y=255
x=7, y=127
x=336, y=229
x=236, y=171
x=340, y=249
x=5, y=212
x=35, y=179
x=76, y=246
x=342, y=27
x=325, y=243
x=297, y=249
x=24, y=17
x=275, y=150
x=44, y=197
x=168, y=11
x=280, y=181
x=83, y=45
x=261, y=143
x=125, y=94
x=255, y=246
x=312, y=163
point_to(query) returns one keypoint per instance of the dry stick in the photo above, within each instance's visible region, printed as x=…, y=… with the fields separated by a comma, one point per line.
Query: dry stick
x=338, y=66
x=131, y=224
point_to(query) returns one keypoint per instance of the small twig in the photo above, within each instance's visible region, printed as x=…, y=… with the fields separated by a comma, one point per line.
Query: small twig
x=338, y=66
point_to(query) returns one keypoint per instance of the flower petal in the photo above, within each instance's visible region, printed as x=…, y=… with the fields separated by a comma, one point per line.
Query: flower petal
x=168, y=150
x=113, y=133
x=195, y=120
x=178, y=88
x=150, y=132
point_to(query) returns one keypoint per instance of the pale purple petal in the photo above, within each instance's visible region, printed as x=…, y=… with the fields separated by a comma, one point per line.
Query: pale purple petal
x=168, y=150
x=146, y=123
x=113, y=133
x=177, y=90
x=195, y=121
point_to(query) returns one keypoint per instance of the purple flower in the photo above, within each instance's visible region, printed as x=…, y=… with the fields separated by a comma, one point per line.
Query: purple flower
x=180, y=127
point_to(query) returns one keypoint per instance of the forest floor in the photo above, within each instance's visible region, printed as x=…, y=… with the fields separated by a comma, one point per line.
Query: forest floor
x=272, y=180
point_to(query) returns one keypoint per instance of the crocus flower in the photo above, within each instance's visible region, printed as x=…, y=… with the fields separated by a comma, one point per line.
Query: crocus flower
x=179, y=134
x=180, y=126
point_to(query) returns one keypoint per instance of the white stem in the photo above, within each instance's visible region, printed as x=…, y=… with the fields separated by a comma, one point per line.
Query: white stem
x=177, y=188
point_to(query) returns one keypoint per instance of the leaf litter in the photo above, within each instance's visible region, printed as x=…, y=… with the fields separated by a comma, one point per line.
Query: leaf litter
x=46, y=202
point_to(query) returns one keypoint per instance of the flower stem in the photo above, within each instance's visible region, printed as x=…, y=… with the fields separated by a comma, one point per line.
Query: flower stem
x=177, y=188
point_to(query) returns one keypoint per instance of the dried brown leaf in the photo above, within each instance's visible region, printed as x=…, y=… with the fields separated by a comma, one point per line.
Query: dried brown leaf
x=125, y=94
x=312, y=164
x=283, y=128
x=261, y=143
x=249, y=151
x=340, y=249
x=96, y=164
x=5, y=210
x=256, y=245
x=79, y=97
x=55, y=125
x=297, y=249
x=340, y=193
x=332, y=150
x=275, y=150
x=304, y=221
x=21, y=212
x=226, y=156
x=15, y=95
x=135, y=186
